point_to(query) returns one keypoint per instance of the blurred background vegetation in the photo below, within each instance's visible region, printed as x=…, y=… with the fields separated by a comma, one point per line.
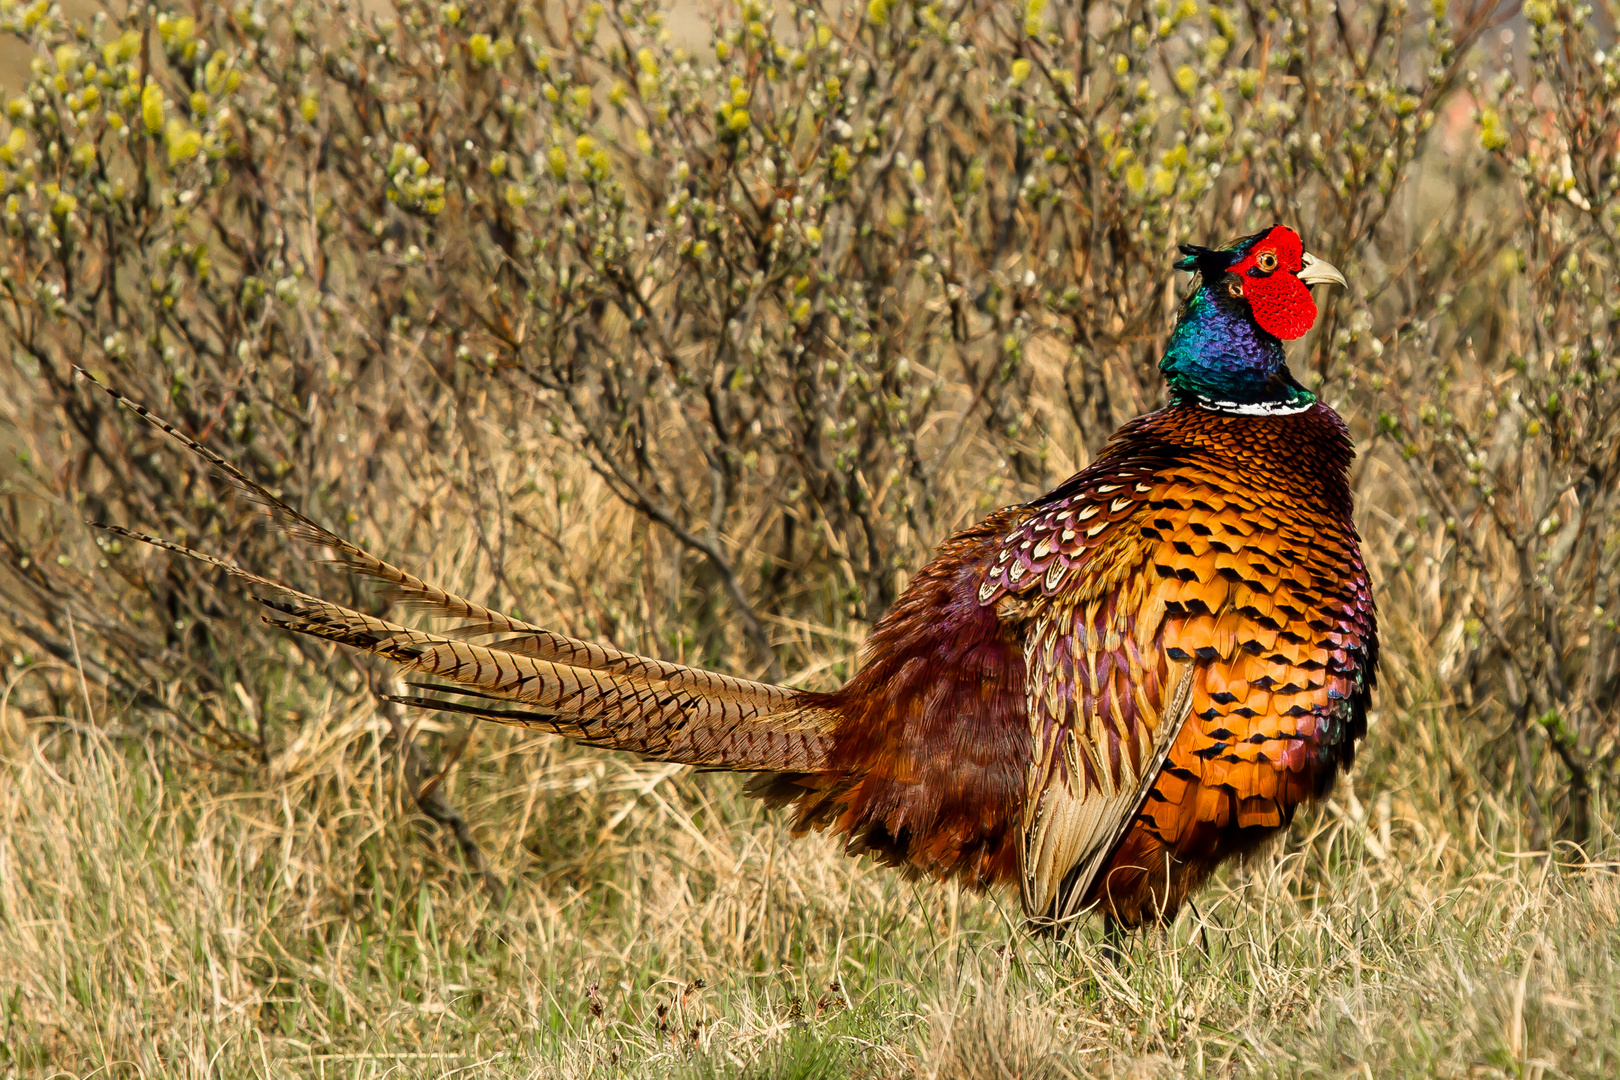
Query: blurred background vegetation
x=694, y=330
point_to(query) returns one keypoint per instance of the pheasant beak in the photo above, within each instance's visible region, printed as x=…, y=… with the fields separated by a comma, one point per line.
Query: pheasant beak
x=1314, y=271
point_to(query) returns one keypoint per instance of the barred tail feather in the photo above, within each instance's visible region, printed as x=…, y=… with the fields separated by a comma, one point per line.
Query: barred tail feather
x=679, y=714
x=398, y=584
x=588, y=692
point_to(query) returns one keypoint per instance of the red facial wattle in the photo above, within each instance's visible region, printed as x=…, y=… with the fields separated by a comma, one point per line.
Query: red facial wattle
x=1281, y=303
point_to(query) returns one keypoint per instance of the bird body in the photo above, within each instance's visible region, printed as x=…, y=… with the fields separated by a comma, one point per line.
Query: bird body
x=1098, y=696
x=1181, y=635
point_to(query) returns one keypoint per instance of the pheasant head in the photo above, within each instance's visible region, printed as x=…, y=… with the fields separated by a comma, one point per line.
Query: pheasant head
x=1226, y=352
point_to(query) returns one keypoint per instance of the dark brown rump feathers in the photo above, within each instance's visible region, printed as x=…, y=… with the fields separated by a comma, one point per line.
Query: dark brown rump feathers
x=934, y=738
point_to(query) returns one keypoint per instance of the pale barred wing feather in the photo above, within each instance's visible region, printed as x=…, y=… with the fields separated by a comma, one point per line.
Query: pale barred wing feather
x=1076, y=811
x=1077, y=883
x=1061, y=825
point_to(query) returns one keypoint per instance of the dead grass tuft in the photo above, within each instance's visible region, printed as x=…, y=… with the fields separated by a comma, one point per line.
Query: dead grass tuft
x=190, y=922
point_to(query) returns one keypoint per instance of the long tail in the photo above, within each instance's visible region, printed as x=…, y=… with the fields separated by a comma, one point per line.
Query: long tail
x=591, y=693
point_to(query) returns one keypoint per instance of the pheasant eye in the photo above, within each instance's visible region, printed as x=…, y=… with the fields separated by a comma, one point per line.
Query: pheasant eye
x=1266, y=261
x=1234, y=288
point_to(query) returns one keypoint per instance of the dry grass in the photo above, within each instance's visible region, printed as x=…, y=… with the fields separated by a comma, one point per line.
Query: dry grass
x=156, y=920
x=161, y=917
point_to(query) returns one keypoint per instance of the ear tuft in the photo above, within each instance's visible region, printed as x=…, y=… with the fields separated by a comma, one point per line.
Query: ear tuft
x=1210, y=262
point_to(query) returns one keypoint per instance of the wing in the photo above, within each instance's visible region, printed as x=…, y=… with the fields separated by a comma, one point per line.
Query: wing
x=1100, y=733
x=1105, y=699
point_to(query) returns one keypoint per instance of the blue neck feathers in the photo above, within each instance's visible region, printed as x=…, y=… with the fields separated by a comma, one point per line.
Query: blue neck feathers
x=1218, y=358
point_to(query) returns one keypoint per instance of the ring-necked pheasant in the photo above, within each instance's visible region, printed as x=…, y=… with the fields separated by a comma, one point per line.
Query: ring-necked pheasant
x=1100, y=695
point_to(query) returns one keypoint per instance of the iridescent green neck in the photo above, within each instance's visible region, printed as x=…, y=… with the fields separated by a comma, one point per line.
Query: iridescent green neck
x=1219, y=359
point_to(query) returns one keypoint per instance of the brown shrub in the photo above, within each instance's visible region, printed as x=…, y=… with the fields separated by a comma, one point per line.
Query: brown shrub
x=802, y=302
